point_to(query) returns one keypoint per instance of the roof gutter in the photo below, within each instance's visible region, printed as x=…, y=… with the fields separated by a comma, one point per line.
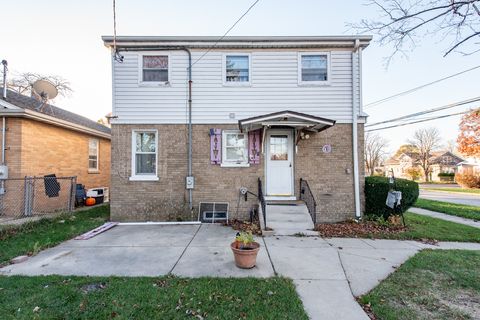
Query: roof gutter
x=189, y=156
x=237, y=42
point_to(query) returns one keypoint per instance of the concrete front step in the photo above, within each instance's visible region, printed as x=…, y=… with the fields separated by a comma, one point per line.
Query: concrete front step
x=289, y=219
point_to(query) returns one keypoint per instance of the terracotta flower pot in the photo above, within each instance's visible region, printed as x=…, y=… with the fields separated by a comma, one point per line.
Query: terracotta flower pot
x=245, y=258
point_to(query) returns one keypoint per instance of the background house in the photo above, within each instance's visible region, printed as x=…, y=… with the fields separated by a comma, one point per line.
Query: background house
x=41, y=139
x=442, y=163
x=470, y=165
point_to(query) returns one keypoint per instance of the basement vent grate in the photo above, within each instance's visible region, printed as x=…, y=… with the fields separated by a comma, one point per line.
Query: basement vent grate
x=212, y=212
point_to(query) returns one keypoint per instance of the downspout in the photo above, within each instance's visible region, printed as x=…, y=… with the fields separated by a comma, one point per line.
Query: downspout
x=163, y=48
x=356, y=179
x=4, y=94
x=3, y=141
x=4, y=130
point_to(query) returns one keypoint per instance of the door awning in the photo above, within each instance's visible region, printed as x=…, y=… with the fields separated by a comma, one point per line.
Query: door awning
x=297, y=120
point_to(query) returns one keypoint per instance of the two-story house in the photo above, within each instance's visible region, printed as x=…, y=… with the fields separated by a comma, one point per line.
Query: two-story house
x=196, y=120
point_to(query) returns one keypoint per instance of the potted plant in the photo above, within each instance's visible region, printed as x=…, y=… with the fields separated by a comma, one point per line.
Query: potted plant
x=245, y=250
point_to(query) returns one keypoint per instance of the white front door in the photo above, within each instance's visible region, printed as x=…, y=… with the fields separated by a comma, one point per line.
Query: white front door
x=279, y=163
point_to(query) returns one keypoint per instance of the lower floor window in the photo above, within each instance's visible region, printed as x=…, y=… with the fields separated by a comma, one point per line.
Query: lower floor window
x=144, y=153
x=234, y=148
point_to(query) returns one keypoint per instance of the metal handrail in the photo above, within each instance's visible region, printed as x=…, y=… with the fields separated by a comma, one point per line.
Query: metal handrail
x=262, y=202
x=306, y=195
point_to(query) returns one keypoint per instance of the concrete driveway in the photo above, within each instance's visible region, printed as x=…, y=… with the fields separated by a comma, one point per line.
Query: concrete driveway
x=328, y=273
x=453, y=197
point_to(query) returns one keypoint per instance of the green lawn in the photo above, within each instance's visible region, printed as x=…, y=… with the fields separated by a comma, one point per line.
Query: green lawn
x=460, y=210
x=148, y=298
x=434, y=284
x=38, y=235
x=458, y=190
x=422, y=227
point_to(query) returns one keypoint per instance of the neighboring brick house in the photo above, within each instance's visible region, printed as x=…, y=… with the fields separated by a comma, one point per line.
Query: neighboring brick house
x=442, y=162
x=278, y=109
x=50, y=140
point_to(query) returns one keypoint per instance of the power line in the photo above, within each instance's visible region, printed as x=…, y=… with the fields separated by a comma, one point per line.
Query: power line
x=225, y=34
x=378, y=102
x=455, y=104
x=418, y=121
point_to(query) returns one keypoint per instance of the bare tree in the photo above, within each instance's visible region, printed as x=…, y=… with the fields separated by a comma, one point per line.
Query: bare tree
x=404, y=23
x=426, y=141
x=375, y=150
x=23, y=82
x=451, y=146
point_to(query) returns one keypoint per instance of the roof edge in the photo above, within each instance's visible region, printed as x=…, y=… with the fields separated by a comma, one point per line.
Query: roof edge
x=38, y=116
x=342, y=40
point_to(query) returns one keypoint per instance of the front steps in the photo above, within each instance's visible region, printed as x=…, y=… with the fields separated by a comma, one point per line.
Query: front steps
x=288, y=218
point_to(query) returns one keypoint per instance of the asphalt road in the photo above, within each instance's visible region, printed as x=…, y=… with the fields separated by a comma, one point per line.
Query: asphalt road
x=454, y=197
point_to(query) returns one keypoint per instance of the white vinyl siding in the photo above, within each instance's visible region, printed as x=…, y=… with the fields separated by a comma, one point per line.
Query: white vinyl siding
x=274, y=87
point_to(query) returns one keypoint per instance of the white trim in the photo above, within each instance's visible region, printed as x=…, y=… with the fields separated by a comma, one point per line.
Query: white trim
x=143, y=177
x=280, y=198
x=94, y=170
x=147, y=177
x=226, y=163
x=142, y=83
x=235, y=165
x=224, y=70
x=286, y=114
x=313, y=83
x=114, y=95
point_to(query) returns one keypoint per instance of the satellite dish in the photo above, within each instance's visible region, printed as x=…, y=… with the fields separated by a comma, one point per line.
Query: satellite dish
x=45, y=89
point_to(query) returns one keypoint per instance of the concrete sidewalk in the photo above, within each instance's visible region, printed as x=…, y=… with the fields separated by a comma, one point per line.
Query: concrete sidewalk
x=328, y=273
x=447, y=217
x=469, y=199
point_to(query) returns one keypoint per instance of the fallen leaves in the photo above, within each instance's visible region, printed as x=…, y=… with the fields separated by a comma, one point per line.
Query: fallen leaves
x=353, y=229
x=245, y=226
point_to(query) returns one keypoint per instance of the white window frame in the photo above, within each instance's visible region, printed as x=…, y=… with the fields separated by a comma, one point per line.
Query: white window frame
x=98, y=147
x=154, y=83
x=224, y=70
x=314, y=83
x=233, y=164
x=143, y=177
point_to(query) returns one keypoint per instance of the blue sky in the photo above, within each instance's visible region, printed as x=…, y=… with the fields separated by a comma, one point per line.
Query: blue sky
x=63, y=38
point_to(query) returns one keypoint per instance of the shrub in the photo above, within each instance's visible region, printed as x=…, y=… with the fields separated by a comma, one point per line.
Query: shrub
x=468, y=180
x=446, y=174
x=376, y=190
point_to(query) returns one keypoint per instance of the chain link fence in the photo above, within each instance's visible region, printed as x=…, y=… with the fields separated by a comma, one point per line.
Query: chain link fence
x=31, y=198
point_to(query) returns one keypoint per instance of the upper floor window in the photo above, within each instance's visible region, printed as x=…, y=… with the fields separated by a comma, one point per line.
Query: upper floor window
x=144, y=155
x=234, y=148
x=313, y=68
x=154, y=69
x=236, y=69
x=93, y=155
